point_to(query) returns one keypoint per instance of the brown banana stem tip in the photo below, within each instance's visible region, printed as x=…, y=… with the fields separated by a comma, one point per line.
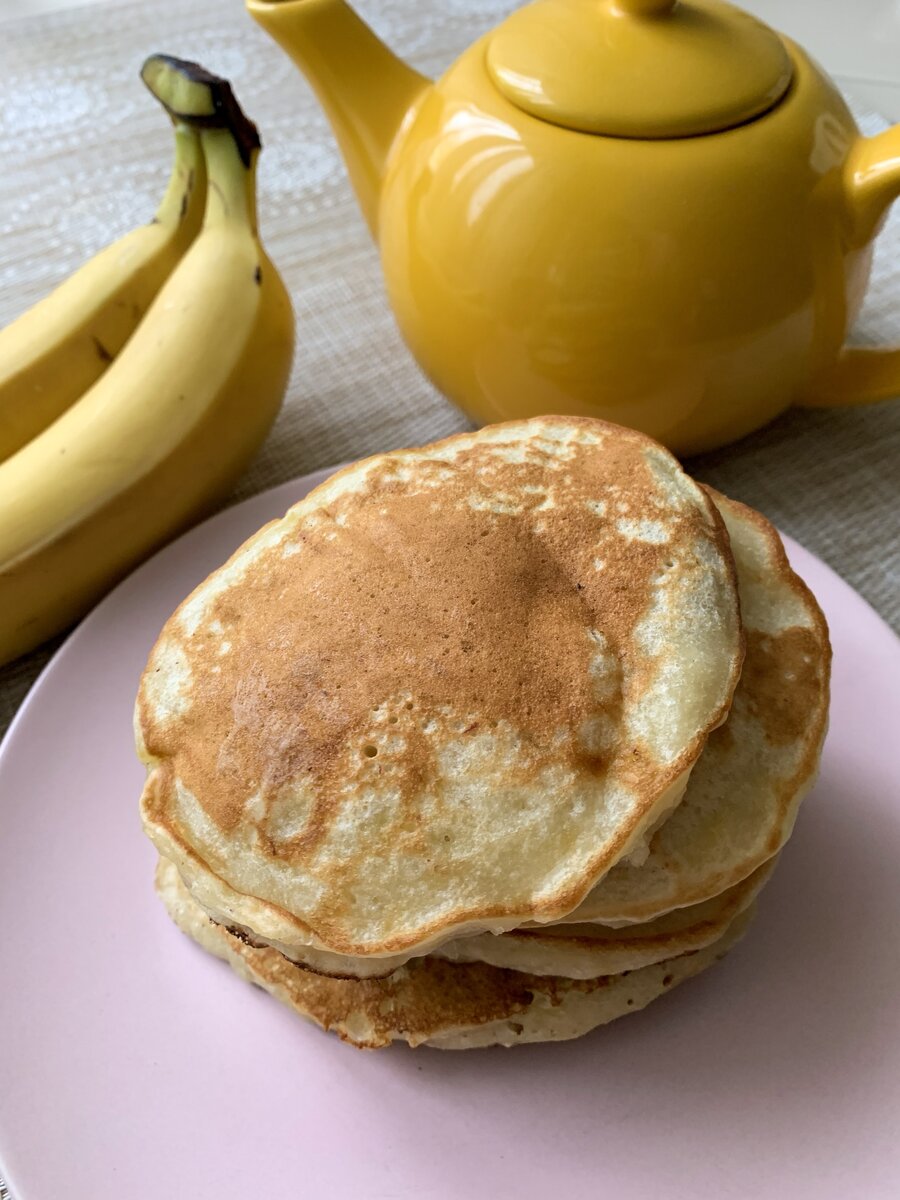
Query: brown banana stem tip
x=191, y=94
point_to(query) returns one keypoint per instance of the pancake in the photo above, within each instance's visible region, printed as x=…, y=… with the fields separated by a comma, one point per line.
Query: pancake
x=451, y=1006
x=742, y=800
x=445, y=693
x=575, y=951
x=588, y=950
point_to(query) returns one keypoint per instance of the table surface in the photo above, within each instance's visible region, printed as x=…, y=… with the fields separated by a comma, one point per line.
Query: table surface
x=90, y=154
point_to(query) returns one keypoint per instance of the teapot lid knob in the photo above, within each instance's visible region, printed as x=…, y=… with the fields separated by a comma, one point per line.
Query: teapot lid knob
x=639, y=68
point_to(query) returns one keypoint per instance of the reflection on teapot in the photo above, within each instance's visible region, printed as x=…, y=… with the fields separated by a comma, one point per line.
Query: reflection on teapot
x=655, y=212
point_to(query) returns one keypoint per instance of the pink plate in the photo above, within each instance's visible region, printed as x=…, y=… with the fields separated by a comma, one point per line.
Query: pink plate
x=134, y=1067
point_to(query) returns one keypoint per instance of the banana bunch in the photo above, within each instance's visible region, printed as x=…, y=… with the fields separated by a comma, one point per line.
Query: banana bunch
x=134, y=395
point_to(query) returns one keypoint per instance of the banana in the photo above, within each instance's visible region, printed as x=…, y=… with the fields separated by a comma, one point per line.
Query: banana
x=56, y=350
x=176, y=416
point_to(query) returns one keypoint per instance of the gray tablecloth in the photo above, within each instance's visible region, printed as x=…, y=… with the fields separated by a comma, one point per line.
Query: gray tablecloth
x=87, y=153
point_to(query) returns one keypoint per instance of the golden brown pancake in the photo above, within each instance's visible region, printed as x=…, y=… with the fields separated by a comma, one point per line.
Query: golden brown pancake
x=587, y=950
x=432, y=1002
x=576, y=951
x=445, y=693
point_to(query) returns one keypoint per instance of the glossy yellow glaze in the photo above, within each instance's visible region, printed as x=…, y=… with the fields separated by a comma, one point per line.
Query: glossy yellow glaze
x=691, y=287
x=585, y=64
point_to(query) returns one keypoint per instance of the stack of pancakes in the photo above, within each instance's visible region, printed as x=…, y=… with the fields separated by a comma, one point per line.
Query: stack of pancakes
x=487, y=742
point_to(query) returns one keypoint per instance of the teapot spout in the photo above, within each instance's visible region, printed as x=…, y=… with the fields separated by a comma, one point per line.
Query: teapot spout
x=366, y=91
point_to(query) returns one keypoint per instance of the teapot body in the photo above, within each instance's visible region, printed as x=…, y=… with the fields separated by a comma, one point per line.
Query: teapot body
x=689, y=287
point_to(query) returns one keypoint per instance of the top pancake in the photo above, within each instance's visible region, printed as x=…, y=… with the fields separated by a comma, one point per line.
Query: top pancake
x=446, y=692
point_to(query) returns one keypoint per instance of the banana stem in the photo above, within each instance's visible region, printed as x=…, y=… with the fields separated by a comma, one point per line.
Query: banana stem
x=188, y=177
x=205, y=102
x=231, y=183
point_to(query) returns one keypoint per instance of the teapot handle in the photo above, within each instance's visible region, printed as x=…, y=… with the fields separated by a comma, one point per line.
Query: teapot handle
x=862, y=374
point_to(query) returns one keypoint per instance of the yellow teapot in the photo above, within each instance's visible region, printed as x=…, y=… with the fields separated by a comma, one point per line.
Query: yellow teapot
x=652, y=211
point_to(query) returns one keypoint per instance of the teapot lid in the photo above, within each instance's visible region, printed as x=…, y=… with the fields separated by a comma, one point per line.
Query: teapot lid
x=639, y=68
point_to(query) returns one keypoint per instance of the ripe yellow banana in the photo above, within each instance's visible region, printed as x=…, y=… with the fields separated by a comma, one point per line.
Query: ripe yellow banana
x=56, y=350
x=177, y=415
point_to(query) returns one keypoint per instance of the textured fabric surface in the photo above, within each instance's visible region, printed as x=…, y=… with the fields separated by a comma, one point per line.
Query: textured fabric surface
x=91, y=154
